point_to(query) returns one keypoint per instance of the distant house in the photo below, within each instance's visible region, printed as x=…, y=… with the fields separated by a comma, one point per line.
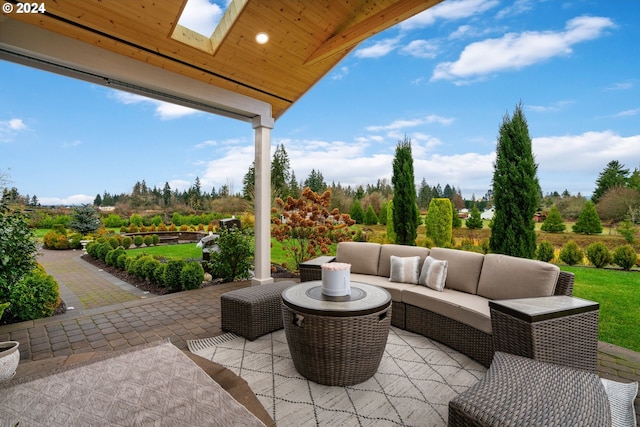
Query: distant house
x=488, y=214
x=539, y=217
x=463, y=213
x=106, y=208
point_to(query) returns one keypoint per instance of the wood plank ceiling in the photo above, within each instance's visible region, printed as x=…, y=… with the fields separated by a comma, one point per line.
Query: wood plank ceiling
x=307, y=38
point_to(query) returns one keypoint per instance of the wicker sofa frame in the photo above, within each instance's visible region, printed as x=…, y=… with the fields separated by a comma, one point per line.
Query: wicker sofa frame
x=466, y=339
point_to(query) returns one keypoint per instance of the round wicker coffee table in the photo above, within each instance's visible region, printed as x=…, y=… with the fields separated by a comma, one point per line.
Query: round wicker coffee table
x=336, y=341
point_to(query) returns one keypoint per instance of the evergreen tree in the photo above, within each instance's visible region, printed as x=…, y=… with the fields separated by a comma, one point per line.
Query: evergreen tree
x=613, y=175
x=391, y=234
x=249, y=181
x=382, y=218
x=553, y=223
x=588, y=222
x=424, y=194
x=456, y=222
x=370, y=217
x=356, y=212
x=98, y=200
x=294, y=187
x=405, y=210
x=166, y=194
x=315, y=182
x=280, y=172
x=474, y=221
x=84, y=219
x=438, y=221
x=516, y=189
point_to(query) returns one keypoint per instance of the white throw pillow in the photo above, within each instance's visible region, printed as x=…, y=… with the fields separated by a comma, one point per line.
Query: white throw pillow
x=405, y=269
x=434, y=273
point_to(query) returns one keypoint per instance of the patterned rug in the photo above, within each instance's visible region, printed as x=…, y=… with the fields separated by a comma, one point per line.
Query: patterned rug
x=151, y=385
x=413, y=386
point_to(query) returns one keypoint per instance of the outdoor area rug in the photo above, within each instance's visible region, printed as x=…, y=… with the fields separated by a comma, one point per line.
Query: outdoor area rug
x=150, y=385
x=413, y=386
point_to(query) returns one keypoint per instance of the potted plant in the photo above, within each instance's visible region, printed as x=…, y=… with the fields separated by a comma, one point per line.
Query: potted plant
x=9, y=354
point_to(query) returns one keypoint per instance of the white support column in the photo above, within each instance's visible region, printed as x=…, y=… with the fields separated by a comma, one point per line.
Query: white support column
x=263, y=126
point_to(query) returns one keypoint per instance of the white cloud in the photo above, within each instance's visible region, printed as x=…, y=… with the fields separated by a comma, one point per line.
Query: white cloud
x=165, y=110
x=517, y=8
x=518, y=50
x=421, y=49
x=72, y=144
x=74, y=200
x=340, y=73
x=378, y=49
x=628, y=113
x=620, y=86
x=201, y=16
x=448, y=10
x=10, y=127
x=402, y=124
x=553, y=108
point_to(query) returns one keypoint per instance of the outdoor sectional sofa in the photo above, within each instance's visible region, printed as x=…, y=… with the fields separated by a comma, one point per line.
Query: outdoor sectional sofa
x=459, y=315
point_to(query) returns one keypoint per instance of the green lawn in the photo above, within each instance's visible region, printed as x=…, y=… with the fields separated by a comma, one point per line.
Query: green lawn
x=618, y=293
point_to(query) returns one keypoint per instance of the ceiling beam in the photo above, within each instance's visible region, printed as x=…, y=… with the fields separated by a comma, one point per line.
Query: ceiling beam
x=350, y=37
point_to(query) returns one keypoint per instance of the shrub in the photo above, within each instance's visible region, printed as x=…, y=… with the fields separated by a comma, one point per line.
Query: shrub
x=370, y=217
x=588, y=222
x=121, y=261
x=55, y=240
x=439, y=221
x=126, y=242
x=17, y=248
x=598, y=254
x=571, y=254
x=155, y=239
x=74, y=241
x=138, y=240
x=103, y=249
x=149, y=266
x=625, y=256
x=148, y=240
x=234, y=259
x=475, y=220
x=92, y=249
x=112, y=221
x=114, y=242
x=192, y=276
x=172, y=273
x=553, y=223
x=35, y=296
x=545, y=252
x=84, y=219
x=112, y=256
x=158, y=274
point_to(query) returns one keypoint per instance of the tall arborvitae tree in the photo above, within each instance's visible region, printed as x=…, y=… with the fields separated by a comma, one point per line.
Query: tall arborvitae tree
x=516, y=189
x=405, y=210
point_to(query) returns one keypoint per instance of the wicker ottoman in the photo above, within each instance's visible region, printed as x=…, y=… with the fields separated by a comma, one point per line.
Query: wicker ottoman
x=518, y=391
x=255, y=311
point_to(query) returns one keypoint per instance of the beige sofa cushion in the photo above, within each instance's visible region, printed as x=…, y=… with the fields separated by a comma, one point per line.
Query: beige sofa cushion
x=506, y=277
x=384, y=267
x=394, y=288
x=362, y=256
x=472, y=310
x=463, y=270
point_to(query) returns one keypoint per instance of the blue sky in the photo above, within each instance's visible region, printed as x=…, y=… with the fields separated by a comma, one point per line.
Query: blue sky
x=445, y=78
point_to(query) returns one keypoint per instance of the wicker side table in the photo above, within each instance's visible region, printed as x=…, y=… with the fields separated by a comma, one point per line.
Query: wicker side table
x=556, y=329
x=336, y=341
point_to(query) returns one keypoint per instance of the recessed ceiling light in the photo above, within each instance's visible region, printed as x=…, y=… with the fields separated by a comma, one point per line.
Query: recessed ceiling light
x=262, y=38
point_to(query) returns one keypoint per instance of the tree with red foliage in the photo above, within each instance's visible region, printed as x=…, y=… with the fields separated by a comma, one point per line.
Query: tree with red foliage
x=306, y=228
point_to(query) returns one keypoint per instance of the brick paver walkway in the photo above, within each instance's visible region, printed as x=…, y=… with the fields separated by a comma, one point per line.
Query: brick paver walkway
x=109, y=314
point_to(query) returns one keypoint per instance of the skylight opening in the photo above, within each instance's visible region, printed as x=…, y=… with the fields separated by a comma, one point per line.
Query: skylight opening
x=203, y=16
